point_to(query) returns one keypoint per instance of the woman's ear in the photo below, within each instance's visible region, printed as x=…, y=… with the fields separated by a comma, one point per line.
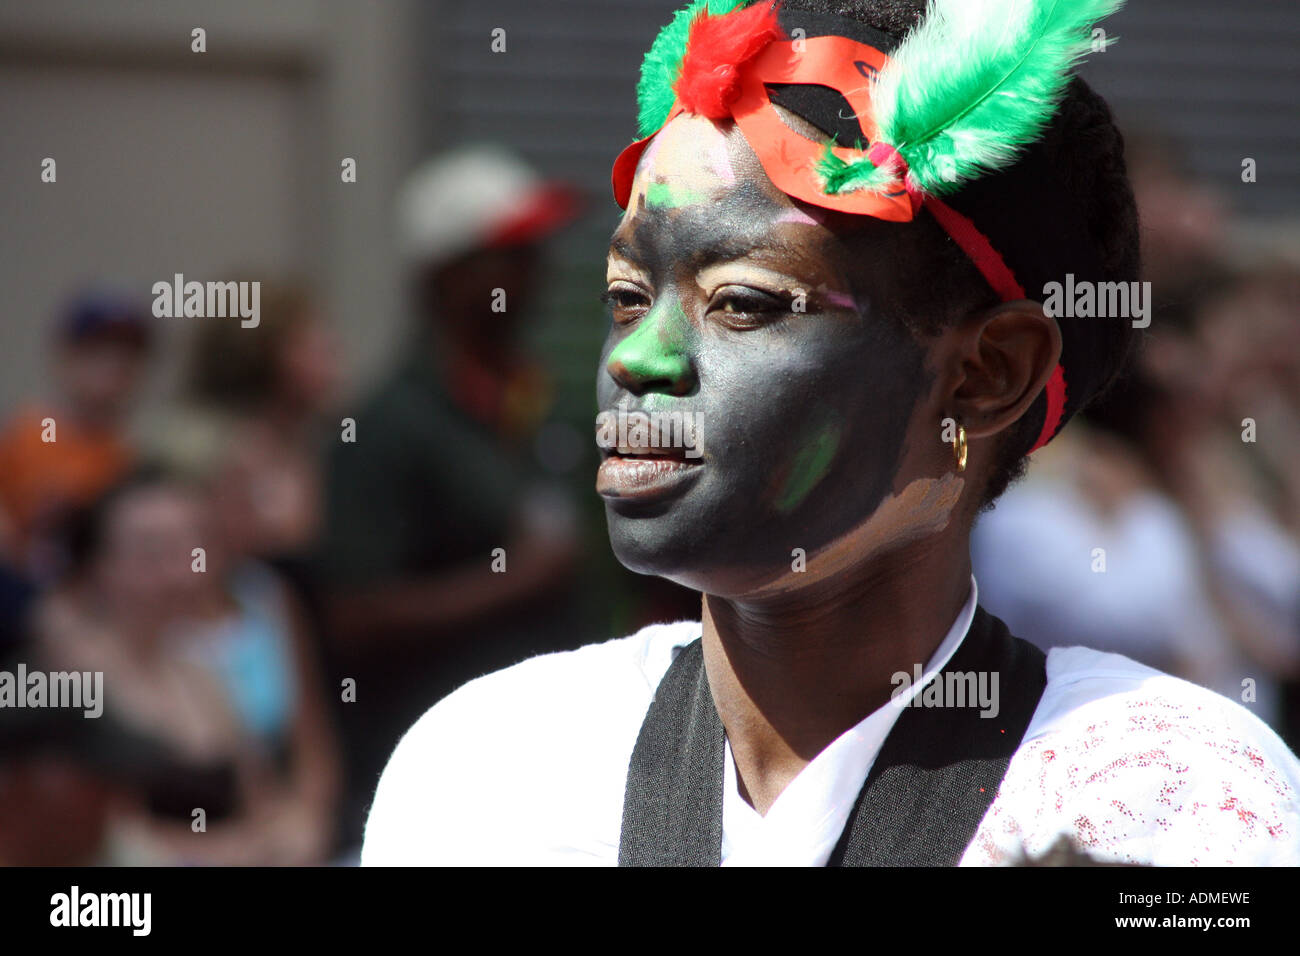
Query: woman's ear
x=1005, y=356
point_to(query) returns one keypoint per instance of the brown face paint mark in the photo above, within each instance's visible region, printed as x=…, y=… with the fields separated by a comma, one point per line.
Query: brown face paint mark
x=920, y=510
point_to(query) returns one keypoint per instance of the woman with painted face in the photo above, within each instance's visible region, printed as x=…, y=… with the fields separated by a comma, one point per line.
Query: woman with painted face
x=839, y=233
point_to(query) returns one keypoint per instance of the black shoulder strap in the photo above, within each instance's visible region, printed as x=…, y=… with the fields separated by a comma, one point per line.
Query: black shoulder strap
x=940, y=767
x=672, y=807
x=928, y=789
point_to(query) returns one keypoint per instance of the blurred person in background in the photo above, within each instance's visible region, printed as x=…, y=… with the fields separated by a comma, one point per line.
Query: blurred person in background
x=57, y=453
x=1248, y=339
x=1201, y=573
x=61, y=451
x=254, y=417
x=439, y=476
x=1184, y=219
x=213, y=697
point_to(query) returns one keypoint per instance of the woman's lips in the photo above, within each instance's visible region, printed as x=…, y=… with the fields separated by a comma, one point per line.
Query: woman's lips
x=643, y=477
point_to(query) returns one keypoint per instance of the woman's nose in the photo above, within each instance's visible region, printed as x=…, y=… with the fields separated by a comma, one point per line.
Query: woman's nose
x=655, y=356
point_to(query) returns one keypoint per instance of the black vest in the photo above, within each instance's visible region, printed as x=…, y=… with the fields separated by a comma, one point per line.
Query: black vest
x=935, y=776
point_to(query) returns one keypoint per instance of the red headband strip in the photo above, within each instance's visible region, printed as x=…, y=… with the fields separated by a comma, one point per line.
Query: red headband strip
x=1003, y=281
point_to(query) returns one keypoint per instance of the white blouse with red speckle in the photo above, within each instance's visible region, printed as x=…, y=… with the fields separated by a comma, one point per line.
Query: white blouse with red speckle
x=1140, y=767
x=527, y=766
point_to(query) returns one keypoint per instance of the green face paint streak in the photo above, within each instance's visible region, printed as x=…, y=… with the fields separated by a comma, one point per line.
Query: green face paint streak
x=670, y=196
x=657, y=347
x=672, y=333
x=810, y=465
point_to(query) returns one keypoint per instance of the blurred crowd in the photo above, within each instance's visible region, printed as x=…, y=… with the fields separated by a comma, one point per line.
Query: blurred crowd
x=159, y=567
x=276, y=580
x=1164, y=524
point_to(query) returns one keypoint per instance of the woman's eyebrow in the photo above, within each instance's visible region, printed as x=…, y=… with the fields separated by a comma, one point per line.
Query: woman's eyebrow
x=729, y=248
x=715, y=249
x=623, y=248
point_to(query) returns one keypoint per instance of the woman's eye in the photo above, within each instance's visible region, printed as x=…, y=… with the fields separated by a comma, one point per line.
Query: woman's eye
x=747, y=303
x=745, y=308
x=625, y=303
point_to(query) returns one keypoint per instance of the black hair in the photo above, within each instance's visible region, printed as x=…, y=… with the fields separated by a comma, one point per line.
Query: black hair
x=82, y=531
x=937, y=285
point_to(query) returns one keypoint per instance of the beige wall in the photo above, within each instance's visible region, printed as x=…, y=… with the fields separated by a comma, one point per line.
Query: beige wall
x=172, y=161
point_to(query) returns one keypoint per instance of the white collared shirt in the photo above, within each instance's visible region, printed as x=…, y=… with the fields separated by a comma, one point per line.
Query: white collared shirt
x=528, y=765
x=803, y=825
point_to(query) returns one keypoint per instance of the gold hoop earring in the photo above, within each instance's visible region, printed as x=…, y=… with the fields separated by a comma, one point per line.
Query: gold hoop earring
x=959, y=448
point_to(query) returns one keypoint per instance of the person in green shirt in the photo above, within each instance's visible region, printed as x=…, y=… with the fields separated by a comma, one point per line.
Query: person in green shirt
x=444, y=556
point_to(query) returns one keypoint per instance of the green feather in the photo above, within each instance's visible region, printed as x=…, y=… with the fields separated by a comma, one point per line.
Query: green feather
x=970, y=86
x=839, y=176
x=663, y=63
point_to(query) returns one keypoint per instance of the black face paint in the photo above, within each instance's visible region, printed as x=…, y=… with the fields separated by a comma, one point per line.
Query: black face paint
x=800, y=416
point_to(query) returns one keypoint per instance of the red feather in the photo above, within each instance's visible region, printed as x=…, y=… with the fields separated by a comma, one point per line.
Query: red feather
x=716, y=49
